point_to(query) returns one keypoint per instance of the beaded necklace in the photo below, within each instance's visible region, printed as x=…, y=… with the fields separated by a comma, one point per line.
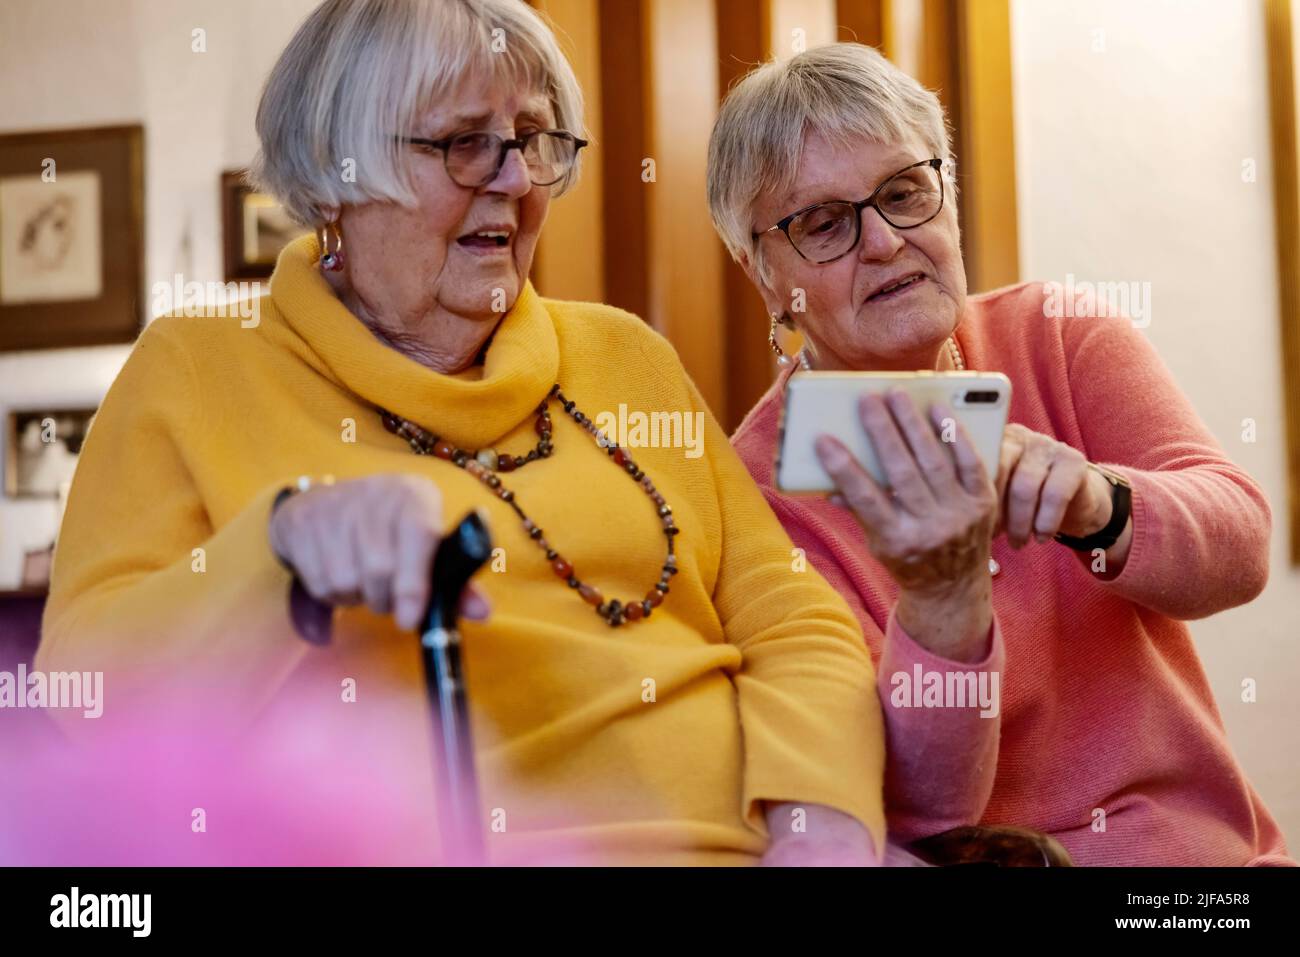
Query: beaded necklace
x=484, y=464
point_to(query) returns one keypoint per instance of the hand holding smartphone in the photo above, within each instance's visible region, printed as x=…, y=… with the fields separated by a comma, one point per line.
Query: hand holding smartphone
x=826, y=403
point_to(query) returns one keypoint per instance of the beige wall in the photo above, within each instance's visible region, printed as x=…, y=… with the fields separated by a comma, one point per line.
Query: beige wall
x=1130, y=160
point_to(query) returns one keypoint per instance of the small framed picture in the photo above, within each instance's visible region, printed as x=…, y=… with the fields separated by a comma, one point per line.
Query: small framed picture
x=71, y=237
x=41, y=449
x=255, y=228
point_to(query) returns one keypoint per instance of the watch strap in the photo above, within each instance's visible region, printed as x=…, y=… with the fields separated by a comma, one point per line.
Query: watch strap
x=1121, y=507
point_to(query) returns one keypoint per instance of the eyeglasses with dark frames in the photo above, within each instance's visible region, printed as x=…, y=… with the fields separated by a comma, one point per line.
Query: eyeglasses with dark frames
x=824, y=232
x=475, y=159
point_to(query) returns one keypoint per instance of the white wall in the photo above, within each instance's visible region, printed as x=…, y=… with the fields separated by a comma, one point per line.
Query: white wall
x=1130, y=167
x=67, y=63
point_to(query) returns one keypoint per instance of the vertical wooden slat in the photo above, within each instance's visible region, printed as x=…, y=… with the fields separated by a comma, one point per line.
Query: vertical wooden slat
x=743, y=30
x=920, y=36
x=987, y=161
x=625, y=128
x=904, y=26
x=1280, y=40
x=815, y=19
x=861, y=21
x=571, y=253
x=939, y=48
x=940, y=70
x=685, y=269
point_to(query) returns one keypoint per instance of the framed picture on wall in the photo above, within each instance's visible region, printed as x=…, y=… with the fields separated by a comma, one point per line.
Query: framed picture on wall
x=71, y=237
x=41, y=449
x=255, y=227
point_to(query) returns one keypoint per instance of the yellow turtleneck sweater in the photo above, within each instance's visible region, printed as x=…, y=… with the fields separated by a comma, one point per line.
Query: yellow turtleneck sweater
x=762, y=685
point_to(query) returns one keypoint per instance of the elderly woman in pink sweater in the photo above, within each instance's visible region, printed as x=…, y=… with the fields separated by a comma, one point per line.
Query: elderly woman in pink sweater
x=1060, y=585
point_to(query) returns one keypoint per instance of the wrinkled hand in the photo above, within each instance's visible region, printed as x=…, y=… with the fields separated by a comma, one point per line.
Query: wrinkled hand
x=1045, y=486
x=368, y=541
x=935, y=530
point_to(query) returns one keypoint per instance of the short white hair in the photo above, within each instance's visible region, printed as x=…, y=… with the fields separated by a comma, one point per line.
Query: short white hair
x=846, y=92
x=359, y=72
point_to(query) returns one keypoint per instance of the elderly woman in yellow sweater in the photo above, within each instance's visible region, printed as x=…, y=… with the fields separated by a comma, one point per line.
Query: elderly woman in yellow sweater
x=424, y=140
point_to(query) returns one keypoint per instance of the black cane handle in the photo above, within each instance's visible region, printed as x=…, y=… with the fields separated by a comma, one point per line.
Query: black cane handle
x=458, y=557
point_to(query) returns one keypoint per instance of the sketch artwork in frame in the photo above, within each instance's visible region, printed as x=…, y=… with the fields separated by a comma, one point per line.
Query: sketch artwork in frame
x=71, y=237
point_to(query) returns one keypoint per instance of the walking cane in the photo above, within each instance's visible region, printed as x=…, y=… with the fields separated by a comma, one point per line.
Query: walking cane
x=458, y=557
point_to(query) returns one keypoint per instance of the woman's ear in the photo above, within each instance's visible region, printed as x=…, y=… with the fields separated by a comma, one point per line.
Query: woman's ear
x=773, y=303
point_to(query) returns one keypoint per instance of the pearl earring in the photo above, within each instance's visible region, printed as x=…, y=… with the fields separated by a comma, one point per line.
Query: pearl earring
x=781, y=357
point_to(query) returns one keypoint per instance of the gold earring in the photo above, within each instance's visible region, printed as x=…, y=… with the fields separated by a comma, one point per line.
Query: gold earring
x=331, y=260
x=781, y=358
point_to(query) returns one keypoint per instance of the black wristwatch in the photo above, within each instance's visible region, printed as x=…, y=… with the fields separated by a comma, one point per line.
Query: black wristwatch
x=1121, y=505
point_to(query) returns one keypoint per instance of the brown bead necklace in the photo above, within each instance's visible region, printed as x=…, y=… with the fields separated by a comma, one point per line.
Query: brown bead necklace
x=484, y=464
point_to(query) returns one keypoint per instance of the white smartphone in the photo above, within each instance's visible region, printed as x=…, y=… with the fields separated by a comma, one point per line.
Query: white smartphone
x=826, y=403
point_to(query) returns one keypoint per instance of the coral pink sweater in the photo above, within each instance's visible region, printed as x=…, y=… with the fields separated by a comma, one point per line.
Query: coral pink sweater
x=1107, y=737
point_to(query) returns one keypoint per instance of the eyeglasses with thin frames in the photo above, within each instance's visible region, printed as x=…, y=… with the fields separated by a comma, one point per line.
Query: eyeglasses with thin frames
x=824, y=232
x=475, y=159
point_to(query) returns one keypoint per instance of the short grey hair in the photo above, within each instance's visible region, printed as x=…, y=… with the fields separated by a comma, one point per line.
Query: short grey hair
x=358, y=72
x=843, y=91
